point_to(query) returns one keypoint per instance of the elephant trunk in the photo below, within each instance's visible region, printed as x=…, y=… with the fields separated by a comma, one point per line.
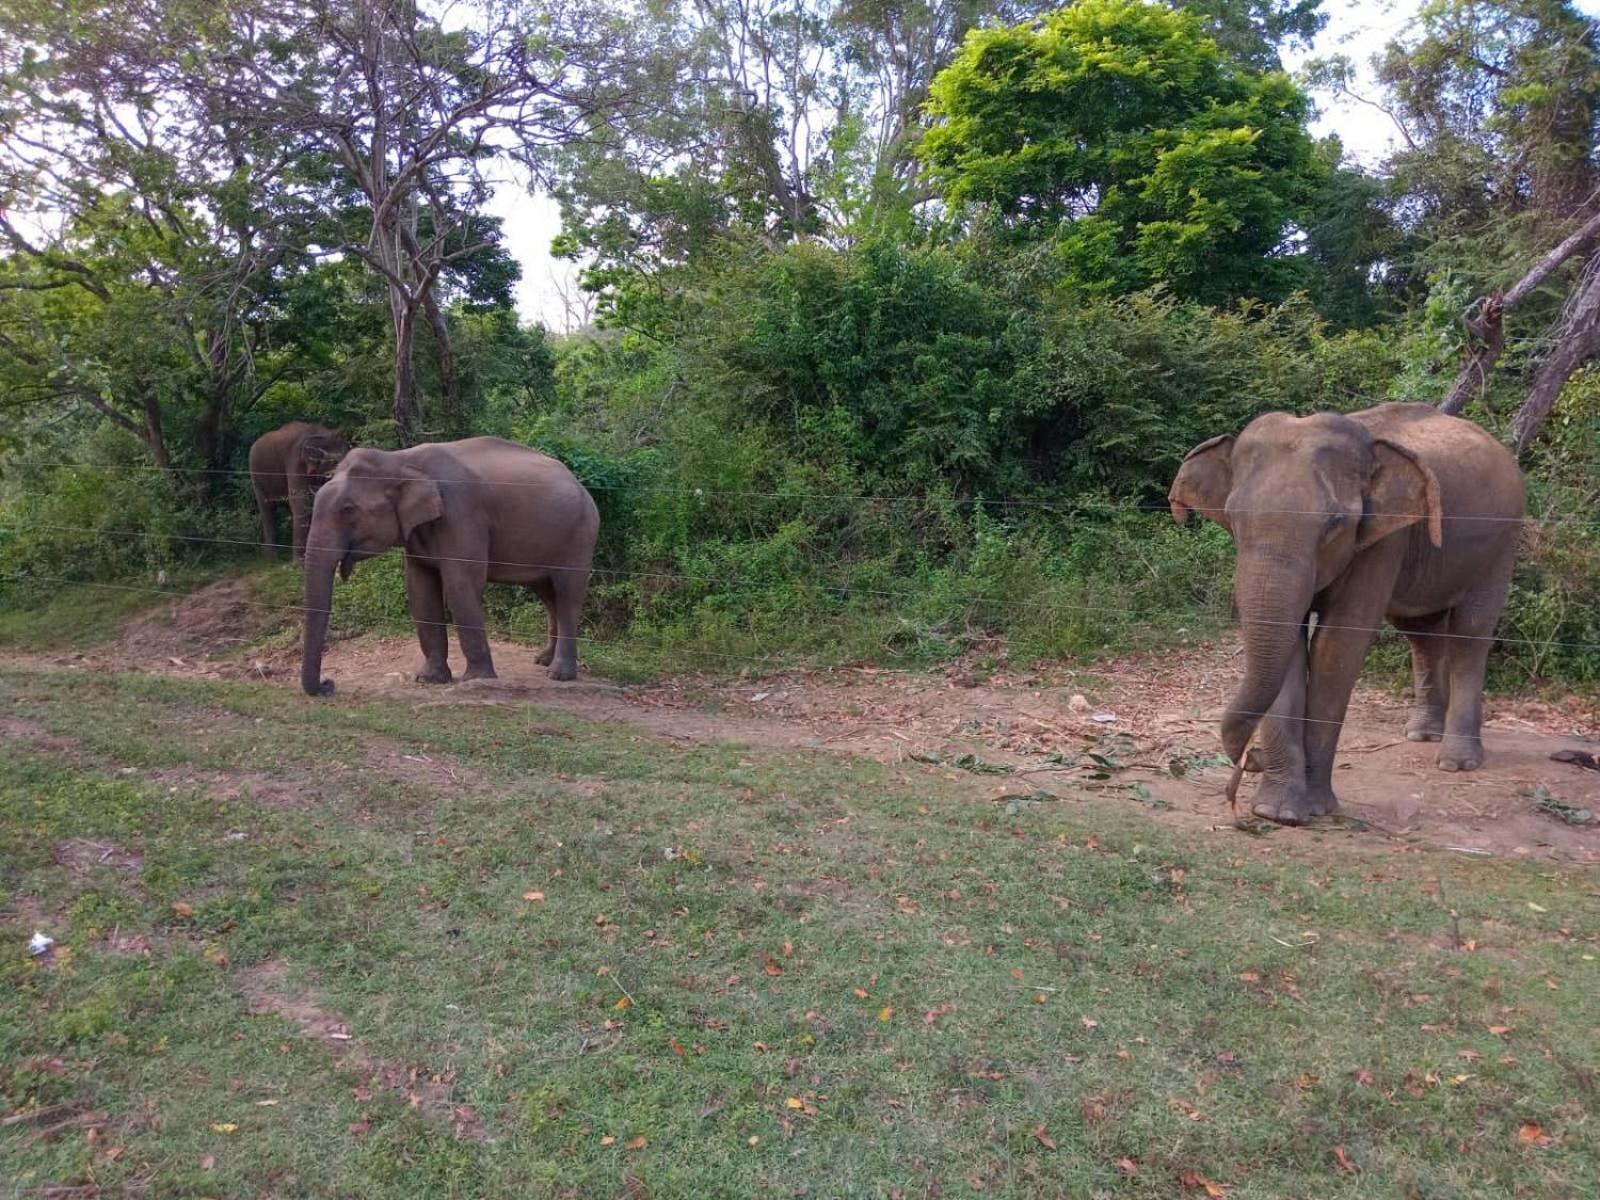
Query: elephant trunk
x=323, y=555
x=1274, y=596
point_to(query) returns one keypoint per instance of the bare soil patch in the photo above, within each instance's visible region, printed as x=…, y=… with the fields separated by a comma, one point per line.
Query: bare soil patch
x=1158, y=725
x=1161, y=737
x=267, y=990
x=34, y=734
x=268, y=791
x=82, y=855
x=214, y=622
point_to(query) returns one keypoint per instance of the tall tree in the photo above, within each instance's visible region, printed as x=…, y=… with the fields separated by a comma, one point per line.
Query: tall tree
x=414, y=114
x=1120, y=131
x=169, y=228
x=1499, y=104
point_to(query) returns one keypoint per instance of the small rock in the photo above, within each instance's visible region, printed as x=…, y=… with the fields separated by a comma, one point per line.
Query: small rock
x=1078, y=704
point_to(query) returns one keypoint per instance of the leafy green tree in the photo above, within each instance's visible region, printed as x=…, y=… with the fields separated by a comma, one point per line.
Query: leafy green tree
x=1121, y=132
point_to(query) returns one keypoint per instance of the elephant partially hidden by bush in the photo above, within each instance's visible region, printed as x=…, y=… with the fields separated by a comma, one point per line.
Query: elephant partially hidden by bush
x=467, y=512
x=1396, y=512
x=290, y=464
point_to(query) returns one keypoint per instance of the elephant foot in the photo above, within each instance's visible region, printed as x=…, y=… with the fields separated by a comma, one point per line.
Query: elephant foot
x=1425, y=725
x=564, y=671
x=1292, y=804
x=480, y=671
x=435, y=674
x=546, y=656
x=1460, y=753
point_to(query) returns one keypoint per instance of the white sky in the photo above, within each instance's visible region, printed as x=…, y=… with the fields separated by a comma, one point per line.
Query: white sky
x=1356, y=28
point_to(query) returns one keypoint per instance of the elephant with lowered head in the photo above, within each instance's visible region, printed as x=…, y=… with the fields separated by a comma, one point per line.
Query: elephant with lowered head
x=290, y=464
x=1397, y=512
x=467, y=513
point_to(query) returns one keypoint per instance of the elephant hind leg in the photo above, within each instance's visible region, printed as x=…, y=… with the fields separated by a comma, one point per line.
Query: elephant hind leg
x=546, y=591
x=1430, y=675
x=1472, y=625
x=570, y=588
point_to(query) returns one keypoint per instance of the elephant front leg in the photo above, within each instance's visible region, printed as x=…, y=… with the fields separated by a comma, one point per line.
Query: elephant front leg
x=300, y=501
x=1337, y=653
x=463, y=592
x=1280, y=751
x=269, y=525
x=425, y=599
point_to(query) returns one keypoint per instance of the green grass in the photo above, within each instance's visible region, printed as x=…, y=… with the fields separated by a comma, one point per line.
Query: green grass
x=1047, y=993
x=73, y=619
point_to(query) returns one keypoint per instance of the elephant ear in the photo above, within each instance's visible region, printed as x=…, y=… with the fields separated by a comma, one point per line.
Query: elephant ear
x=320, y=455
x=1204, y=481
x=1401, y=492
x=417, y=503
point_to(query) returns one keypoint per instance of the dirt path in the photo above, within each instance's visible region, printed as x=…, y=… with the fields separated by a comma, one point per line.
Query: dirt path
x=1136, y=731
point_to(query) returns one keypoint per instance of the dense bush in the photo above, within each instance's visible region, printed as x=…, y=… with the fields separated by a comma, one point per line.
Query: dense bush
x=889, y=452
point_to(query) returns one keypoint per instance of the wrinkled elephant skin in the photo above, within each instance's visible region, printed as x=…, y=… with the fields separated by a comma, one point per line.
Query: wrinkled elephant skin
x=290, y=464
x=1396, y=513
x=467, y=513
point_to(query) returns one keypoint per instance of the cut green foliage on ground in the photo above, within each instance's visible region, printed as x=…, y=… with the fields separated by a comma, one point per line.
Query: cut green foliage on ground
x=386, y=949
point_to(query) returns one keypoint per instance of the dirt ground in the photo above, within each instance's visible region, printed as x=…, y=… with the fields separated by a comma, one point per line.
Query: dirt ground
x=1134, y=731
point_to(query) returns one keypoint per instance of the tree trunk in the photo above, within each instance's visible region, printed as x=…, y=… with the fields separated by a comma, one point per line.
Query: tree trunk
x=406, y=409
x=444, y=348
x=1580, y=340
x=1486, y=328
x=154, y=439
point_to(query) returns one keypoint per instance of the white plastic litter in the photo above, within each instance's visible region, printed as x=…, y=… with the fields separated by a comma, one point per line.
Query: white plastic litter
x=39, y=943
x=1104, y=718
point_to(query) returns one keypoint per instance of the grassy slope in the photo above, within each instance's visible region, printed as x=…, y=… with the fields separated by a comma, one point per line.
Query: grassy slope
x=1064, y=1001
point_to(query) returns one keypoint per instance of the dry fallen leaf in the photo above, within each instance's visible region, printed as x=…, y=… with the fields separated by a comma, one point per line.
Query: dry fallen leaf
x=224, y=1126
x=1499, y=1030
x=1532, y=1135
x=1090, y=1023
x=886, y=1012
x=1343, y=1159
x=183, y=909
x=773, y=968
x=1249, y=977
x=607, y=1140
x=1193, y=1179
x=1016, y=973
x=1044, y=1138
x=638, y=1143
x=859, y=993
x=358, y=1129
x=622, y=1004
x=1127, y=1166
x=208, y=1163
x=534, y=896
x=794, y=1102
